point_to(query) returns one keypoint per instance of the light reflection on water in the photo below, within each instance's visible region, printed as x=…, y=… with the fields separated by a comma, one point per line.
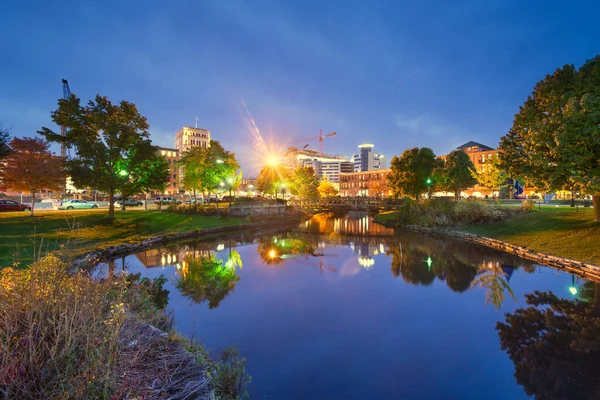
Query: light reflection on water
x=344, y=308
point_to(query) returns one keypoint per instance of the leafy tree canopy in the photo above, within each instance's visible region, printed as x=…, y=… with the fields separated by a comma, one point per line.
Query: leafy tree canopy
x=410, y=171
x=304, y=183
x=108, y=141
x=4, y=140
x=555, y=139
x=457, y=171
x=30, y=167
x=326, y=188
x=270, y=179
x=491, y=176
x=205, y=168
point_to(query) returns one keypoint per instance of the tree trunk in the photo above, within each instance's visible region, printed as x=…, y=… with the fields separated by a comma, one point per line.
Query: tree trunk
x=596, y=203
x=456, y=195
x=32, y=203
x=111, y=205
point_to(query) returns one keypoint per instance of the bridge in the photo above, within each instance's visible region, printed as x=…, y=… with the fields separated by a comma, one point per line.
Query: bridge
x=358, y=203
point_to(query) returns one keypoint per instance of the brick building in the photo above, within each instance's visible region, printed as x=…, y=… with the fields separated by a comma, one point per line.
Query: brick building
x=172, y=156
x=368, y=183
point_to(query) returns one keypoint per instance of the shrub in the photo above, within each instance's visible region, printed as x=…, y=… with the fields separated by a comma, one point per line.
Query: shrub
x=527, y=205
x=67, y=335
x=231, y=379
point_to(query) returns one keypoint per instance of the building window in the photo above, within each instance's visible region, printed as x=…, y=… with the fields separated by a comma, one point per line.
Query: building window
x=174, y=176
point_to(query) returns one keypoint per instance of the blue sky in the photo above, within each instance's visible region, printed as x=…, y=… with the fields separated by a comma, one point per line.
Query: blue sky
x=394, y=73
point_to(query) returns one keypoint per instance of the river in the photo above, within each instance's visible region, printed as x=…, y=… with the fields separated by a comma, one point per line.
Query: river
x=341, y=308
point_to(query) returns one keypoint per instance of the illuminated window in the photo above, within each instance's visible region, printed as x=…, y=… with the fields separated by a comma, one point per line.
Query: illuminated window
x=163, y=152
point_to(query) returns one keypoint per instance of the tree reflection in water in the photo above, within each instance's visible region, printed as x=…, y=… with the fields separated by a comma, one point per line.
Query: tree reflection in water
x=420, y=259
x=208, y=278
x=274, y=250
x=555, y=345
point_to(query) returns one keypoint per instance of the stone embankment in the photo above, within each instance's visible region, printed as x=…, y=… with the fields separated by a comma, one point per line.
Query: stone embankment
x=97, y=256
x=585, y=270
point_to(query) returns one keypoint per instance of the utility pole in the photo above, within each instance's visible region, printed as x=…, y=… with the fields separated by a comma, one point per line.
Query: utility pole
x=63, y=130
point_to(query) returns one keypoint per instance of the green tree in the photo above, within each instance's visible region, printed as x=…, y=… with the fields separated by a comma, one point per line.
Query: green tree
x=4, y=147
x=205, y=169
x=555, y=139
x=491, y=176
x=457, y=171
x=326, y=188
x=555, y=346
x=30, y=167
x=410, y=171
x=495, y=282
x=106, y=138
x=270, y=179
x=304, y=183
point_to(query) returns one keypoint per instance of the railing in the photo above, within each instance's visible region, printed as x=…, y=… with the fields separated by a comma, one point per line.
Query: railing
x=348, y=203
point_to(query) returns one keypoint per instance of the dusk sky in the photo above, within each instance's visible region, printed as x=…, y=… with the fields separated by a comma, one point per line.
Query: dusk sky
x=397, y=74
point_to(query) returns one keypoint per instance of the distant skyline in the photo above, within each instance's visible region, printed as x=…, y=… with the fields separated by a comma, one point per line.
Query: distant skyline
x=397, y=74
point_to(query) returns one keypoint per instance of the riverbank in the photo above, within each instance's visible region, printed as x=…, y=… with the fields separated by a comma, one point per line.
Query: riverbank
x=23, y=238
x=553, y=232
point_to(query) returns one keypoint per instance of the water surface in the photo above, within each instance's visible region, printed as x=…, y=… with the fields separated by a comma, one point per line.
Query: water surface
x=341, y=308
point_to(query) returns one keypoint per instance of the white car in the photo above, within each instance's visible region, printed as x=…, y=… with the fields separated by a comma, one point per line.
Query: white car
x=76, y=205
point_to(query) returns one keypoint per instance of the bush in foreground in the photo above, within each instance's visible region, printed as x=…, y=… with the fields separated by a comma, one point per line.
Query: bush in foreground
x=67, y=335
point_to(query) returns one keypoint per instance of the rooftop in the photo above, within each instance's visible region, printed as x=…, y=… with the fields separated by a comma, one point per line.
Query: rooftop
x=483, y=147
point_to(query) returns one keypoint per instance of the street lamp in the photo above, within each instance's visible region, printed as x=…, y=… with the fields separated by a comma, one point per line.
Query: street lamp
x=283, y=191
x=429, y=182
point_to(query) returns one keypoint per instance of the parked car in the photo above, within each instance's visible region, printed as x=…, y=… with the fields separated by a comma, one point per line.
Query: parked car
x=76, y=204
x=129, y=202
x=9, y=205
x=166, y=200
x=194, y=201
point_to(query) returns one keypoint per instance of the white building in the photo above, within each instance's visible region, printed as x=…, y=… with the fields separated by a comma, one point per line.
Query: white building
x=367, y=160
x=188, y=137
x=324, y=165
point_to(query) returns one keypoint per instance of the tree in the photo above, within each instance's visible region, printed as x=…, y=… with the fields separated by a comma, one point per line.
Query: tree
x=146, y=170
x=207, y=168
x=270, y=179
x=410, y=171
x=491, y=176
x=555, y=139
x=555, y=346
x=326, y=188
x=4, y=147
x=495, y=282
x=106, y=139
x=304, y=183
x=457, y=171
x=30, y=167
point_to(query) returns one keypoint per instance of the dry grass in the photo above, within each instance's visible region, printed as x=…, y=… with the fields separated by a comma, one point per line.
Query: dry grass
x=66, y=335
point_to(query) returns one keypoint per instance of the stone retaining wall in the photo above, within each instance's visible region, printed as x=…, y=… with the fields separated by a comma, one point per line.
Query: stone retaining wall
x=95, y=257
x=585, y=270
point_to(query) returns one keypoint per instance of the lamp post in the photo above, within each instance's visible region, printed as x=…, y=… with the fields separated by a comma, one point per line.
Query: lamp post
x=429, y=182
x=283, y=191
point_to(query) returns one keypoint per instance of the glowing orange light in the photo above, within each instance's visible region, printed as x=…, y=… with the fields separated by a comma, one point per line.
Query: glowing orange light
x=272, y=253
x=272, y=160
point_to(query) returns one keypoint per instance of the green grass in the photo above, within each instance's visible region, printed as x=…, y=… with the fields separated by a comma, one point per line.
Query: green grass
x=88, y=230
x=563, y=232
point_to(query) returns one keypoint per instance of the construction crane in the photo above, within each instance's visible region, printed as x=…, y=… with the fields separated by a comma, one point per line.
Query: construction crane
x=63, y=130
x=319, y=138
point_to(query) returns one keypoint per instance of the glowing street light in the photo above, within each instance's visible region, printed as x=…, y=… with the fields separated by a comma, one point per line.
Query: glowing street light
x=272, y=160
x=429, y=261
x=272, y=253
x=429, y=181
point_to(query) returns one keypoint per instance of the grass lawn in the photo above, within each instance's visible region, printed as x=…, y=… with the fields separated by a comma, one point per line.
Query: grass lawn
x=562, y=231
x=87, y=230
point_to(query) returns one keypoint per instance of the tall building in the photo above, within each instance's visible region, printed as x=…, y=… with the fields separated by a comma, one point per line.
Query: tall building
x=324, y=165
x=367, y=160
x=172, y=156
x=188, y=137
x=479, y=154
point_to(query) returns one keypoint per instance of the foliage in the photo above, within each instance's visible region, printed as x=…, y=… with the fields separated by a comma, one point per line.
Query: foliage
x=491, y=176
x=207, y=279
x=270, y=179
x=205, y=168
x=555, y=139
x=4, y=140
x=457, y=172
x=326, y=188
x=410, y=171
x=555, y=347
x=442, y=212
x=68, y=335
x=112, y=147
x=304, y=183
x=30, y=167
x=528, y=205
x=231, y=379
